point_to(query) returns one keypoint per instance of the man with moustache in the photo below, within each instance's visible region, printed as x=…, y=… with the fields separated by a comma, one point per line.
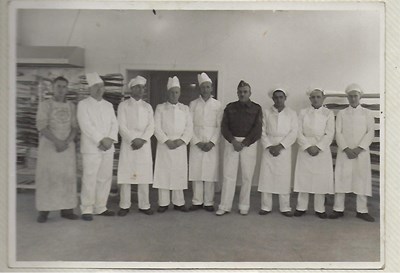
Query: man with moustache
x=173, y=130
x=314, y=171
x=135, y=165
x=204, y=149
x=279, y=132
x=241, y=128
x=99, y=127
x=354, y=135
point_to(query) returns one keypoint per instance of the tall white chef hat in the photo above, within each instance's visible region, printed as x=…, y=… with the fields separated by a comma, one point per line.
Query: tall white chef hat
x=272, y=91
x=203, y=77
x=173, y=82
x=309, y=91
x=93, y=78
x=354, y=87
x=137, y=80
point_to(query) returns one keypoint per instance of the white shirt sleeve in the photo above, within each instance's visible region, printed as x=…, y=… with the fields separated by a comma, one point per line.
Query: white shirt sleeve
x=85, y=125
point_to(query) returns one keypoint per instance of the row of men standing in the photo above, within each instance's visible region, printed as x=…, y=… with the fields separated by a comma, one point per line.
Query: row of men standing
x=242, y=124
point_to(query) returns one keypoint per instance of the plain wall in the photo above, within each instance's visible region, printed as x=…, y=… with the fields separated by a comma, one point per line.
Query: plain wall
x=295, y=50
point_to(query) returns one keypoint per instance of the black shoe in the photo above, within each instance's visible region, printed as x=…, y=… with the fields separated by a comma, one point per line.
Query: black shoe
x=69, y=214
x=321, y=215
x=195, y=207
x=146, y=211
x=123, y=212
x=287, y=213
x=87, y=217
x=263, y=212
x=107, y=213
x=181, y=208
x=209, y=208
x=299, y=213
x=162, y=209
x=365, y=217
x=336, y=214
x=42, y=217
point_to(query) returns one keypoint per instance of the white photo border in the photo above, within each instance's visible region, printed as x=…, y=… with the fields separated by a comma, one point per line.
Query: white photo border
x=184, y=5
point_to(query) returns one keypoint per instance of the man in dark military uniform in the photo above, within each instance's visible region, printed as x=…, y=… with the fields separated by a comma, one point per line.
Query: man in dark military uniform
x=241, y=127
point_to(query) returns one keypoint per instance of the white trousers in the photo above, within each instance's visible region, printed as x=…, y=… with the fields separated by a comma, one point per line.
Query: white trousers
x=96, y=182
x=142, y=193
x=284, y=202
x=319, y=202
x=178, y=198
x=246, y=160
x=361, y=203
x=203, y=193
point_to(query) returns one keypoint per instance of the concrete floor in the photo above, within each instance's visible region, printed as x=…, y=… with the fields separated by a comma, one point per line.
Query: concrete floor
x=198, y=236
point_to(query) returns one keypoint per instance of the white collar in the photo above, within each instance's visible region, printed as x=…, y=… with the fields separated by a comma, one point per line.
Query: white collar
x=96, y=101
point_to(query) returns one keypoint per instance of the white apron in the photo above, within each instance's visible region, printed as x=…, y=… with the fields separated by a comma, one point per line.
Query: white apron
x=135, y=119
x=314, y=174
x=56, y=184
x=354, y=127
x=275, y=172
x=171, y=169
x=204, y=166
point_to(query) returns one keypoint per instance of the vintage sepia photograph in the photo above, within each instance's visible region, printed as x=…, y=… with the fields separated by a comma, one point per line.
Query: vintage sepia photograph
x=196, y=135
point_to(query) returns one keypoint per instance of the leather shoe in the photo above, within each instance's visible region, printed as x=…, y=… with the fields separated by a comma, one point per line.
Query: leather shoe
x=42, y=217
x=287, y=213
x=365, y=217
x=123, y=212
x=181, y=208
x=146, y=211
x=221, y=212
x=299, y=213
x=195, y=207
x=107, y=213
x=321, y=215
x=263, y=212
x=87, y=217
x=209, y=208
x=69, y=215
x=336, y=214
x=162, y=209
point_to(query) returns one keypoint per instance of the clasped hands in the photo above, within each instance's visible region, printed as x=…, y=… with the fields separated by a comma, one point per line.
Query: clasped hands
x=275, y=150
x=173, y=144
x=353, y=153
x=313, y=150
x=137, y=143
x=205, y=146
x=105, y=144
x=61, y=145
x=237, y=146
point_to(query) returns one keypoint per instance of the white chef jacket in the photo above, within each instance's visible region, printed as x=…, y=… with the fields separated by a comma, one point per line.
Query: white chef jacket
x=172, y=121
x=135, y=119
x=96, y=120
x=354, y=128
x=314, y=174
x=278, y=128
x=207, y=116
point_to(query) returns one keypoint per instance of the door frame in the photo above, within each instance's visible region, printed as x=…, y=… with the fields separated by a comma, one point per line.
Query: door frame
x=180, y=67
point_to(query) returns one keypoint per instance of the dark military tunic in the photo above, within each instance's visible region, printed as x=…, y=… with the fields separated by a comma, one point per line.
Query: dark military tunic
x=242, y=119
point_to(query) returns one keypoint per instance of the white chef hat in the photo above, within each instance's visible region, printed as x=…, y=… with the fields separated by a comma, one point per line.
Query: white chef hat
x=93, y=78
x=354, y=87
x=203, y=77
x=137, y=80
x=272, y=91
x=173, y=82
x=309, y=91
